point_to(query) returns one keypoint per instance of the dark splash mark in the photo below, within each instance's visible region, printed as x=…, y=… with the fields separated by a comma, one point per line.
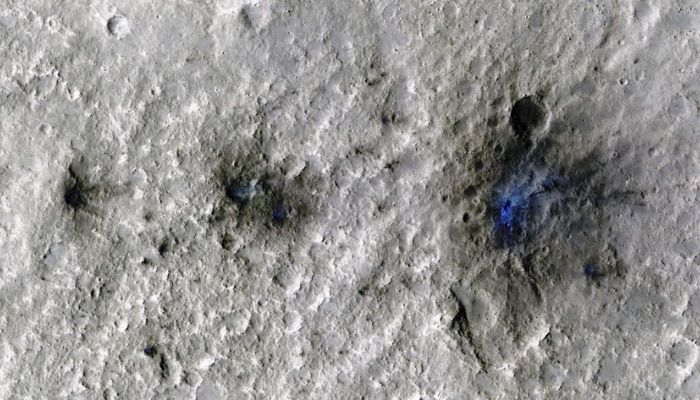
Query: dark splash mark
x=74, y=197
x=77, y=192
x=85, y=197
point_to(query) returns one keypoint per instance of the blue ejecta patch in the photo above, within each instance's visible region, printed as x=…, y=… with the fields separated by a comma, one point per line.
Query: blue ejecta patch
x=511, y=216
x=592, y=271
x=242, y=193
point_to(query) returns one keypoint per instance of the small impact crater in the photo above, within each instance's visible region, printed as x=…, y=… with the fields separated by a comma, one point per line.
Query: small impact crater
x=527, y=115
x=166, y=246
x=118, y=26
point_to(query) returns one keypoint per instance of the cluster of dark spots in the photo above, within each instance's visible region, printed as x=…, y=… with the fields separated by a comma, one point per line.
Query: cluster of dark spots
x=396, y=109
x=390, y=117
x=154, y=352
x=374, y=74
x=471, y=210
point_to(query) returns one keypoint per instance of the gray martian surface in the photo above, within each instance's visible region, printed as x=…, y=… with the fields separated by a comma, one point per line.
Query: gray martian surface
x=350, y=199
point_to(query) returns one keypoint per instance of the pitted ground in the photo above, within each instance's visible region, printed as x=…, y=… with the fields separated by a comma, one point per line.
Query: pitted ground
x=126, y=271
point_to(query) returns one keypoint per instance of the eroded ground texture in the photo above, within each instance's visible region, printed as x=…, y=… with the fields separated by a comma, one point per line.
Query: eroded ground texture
x=339, y=199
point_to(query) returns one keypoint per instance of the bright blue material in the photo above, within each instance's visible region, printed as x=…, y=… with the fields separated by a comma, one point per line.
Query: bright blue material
x=520, y=204
x=511, y=215
x=242, y=193
x=591, y=271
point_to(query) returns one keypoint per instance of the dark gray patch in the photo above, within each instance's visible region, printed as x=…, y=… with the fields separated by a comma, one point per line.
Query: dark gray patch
x=76, y=194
